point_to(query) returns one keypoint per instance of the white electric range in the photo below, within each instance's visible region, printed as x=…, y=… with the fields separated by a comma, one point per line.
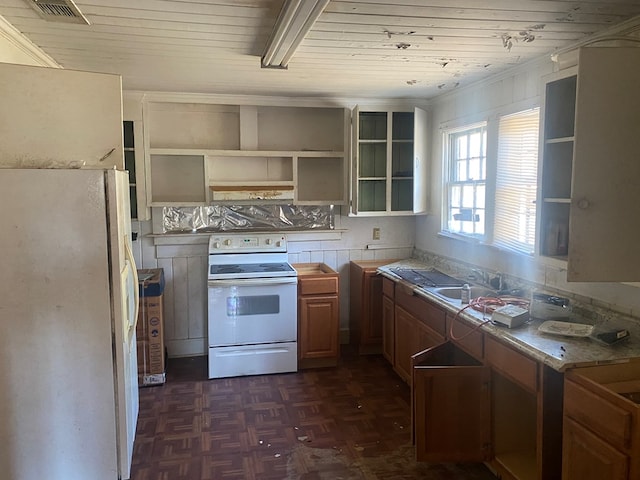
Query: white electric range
x=252, y=305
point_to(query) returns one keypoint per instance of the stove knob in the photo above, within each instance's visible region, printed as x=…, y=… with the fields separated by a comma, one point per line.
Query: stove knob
x=268, y=241
x=278, y=243
x=227, y=242
x=216, y=244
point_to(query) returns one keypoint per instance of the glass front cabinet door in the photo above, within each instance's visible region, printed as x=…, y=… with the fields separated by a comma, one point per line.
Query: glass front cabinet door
x=389, y=162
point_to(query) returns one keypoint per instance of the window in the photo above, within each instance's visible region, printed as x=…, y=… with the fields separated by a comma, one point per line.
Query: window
x=466, y=185
x=516, y=181
x=490, y=185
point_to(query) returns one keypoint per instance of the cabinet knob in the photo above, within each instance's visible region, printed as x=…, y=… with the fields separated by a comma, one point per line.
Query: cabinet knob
x=583, y=204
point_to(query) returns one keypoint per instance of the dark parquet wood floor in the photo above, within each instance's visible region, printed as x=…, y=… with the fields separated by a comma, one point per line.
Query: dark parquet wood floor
x=351, y=422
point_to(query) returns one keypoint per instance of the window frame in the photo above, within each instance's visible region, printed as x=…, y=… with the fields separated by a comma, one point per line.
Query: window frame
x=448, y=169
x=491, y=122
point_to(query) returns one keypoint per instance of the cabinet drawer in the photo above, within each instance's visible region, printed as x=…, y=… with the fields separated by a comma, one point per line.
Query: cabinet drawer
x=512, y=364
x=429, y=314
x=602, y=417
x=318, y=285
x=471, y=341
x=388, y=287
x=586, y=456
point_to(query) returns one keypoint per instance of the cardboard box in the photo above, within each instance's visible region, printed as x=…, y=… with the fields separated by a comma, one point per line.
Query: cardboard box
x=150, y=330
x=150, y=335
x=151, y=282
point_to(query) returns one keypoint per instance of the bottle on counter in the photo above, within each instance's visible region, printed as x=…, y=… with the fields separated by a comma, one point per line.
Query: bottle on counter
x=465, y=294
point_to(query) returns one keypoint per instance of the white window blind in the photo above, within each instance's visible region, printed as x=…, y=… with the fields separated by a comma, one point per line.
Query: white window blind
x=516, y=181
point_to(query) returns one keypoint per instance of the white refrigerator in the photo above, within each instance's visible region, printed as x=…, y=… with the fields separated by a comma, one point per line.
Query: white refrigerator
x=68, y=311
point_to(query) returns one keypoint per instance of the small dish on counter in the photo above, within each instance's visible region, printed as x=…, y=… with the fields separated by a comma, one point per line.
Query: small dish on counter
x=566, y=329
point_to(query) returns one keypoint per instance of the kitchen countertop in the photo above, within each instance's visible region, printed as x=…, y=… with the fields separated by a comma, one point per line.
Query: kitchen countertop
x=558, y=352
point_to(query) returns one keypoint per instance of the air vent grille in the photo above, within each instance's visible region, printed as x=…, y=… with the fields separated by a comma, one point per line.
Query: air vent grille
x=58, y=10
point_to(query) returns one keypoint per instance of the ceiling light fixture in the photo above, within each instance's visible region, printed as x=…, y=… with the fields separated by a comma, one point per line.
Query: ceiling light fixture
x=294, y=22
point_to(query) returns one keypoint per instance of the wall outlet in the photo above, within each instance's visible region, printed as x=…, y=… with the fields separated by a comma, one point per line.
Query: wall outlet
x=376, y=233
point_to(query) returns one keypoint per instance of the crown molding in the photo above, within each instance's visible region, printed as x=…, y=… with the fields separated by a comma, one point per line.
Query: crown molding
x=12, y=35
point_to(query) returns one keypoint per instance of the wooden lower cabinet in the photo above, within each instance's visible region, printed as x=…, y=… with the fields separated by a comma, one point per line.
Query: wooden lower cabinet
x=388, y=329
x=318, y=335
x=411, y=337
x=526, y=406
x=318, y=316
x=587, y=457
x=505, y=410
x=450, y=399
x=602, y=423
x=417, y=325
x=365, y=305
x=475, y=397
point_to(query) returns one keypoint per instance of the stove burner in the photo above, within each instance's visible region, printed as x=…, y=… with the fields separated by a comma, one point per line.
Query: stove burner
x=231, y=269
x=251, y=268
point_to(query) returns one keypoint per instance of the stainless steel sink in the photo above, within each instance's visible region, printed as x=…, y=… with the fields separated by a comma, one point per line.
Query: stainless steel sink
x=454, y=293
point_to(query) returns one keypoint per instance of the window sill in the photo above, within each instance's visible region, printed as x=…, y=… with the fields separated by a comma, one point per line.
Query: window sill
x=462, y=238
x=478, y=241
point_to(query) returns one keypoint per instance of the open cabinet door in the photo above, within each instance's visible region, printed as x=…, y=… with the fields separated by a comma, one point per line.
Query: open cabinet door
x=450, y=406
x=603, y=232
x=55, y=118
x=355, y=161
x=420, y=152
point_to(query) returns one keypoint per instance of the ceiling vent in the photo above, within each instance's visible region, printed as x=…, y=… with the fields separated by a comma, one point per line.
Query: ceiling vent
x=58, y=11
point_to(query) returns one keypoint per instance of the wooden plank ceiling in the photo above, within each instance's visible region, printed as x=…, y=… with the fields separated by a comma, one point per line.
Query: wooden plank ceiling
x=357, y=48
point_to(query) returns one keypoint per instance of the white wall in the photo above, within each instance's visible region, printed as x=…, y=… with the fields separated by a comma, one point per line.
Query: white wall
x=504, y=94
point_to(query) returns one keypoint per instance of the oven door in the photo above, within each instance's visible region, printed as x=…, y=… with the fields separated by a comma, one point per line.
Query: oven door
x=252, y=311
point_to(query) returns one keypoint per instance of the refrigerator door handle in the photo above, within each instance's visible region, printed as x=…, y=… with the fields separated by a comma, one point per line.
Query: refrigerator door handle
x=136, y=287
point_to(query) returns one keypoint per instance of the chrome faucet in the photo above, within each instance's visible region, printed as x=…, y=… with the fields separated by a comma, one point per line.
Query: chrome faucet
x=497, y=282
x=479, y=275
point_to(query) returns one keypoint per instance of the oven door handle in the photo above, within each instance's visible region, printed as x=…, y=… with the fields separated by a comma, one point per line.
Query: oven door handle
x=236, y=282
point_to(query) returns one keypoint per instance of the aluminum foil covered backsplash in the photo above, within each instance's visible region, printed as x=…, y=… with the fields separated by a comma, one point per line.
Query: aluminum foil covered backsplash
x=225, y=218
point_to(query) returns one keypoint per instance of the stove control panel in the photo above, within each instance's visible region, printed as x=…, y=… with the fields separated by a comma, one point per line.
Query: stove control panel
x=248, y=243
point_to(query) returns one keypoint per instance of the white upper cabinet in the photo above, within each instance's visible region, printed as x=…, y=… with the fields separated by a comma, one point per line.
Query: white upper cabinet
x=605, y=208
x=201, y=153
x=60, y=118
x=591, y=167
x=389, y=162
